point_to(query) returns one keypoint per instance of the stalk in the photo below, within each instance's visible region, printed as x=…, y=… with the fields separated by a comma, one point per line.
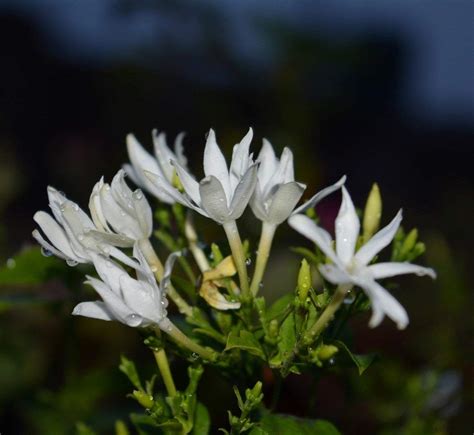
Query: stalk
x=235, y=243
x=157, y=268
x=164, y=367
x=197, y=252
x=264, y=247
x=167, y=326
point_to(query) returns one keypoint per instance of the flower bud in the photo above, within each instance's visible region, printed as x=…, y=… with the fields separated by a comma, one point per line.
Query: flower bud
x=372, y=213
x=304, y=280
x=409, y=243
x=327, y=351
x=143, y=399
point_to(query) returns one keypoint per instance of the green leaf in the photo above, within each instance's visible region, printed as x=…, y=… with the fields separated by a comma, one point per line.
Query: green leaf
x=279, y=306
x=128, y=368
x=280, y=424
x=362, y=362
x=202, y=421
x=83, y=429
x=244, y=340
x=30, y=267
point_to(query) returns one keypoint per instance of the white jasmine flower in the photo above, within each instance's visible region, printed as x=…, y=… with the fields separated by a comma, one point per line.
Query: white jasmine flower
x=120, y=215
x=134, y=302
x=71, y=233
x=224, y=193
x=277, y=192
x=353, y=268
x=160, y=164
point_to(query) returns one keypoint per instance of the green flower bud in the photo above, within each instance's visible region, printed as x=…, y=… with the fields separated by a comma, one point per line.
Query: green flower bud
x=409, y=243
x=273, y=328
x=372, y=213
x=304, y=280
x=327, y=351
x=143, y=399
x=121, y=428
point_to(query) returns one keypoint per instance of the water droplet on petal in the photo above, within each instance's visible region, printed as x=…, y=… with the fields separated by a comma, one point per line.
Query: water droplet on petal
x=248, y=262
x=194, y=356
x=46, y=252
x=70, y=262
x=137, y=195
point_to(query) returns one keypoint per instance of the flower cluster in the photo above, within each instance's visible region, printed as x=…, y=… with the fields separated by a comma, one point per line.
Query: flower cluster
x=121, y=219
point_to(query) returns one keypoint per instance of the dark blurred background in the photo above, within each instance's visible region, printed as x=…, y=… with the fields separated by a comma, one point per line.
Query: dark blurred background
x=380, y=91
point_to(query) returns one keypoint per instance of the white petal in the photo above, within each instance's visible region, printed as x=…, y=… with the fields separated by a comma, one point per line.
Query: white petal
x=284, y=201
x=383, y=303
x=240, y=159
x=179, y=150
x=386, y=270
x=163, y=154
x=162, y=185
x=139, y=297
x=320, y=195
x=54, y=232
x=213, y=199
x=268, y=163
x=334, y=274
x=257, y=203
x=56, y=199
x=114, y=303
x=133, y=175
x=284, y=172
x=347, y=229
x=190, y=185
x=46, y=245
x=113, y=239
x=143, y=213
x=166, y=280
x=243, y=192
x=379, y=241
x=215, y=164
x=95, y=207
x=305, y=226
x=120, y=256
x=94, y=310
x=109, y=272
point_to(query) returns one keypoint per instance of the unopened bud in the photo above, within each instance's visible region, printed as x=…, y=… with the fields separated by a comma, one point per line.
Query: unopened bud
x=327, y=351
x=143, y=399
x=304, y=280
x=372, y=213
x=409, y=243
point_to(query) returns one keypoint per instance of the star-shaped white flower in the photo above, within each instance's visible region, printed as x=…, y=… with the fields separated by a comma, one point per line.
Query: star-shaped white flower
x=225, y=192
x=139, y=302
x=159, y=164
x=277, y=193
x=354, y=268
x=71, y=233
x=120, y=215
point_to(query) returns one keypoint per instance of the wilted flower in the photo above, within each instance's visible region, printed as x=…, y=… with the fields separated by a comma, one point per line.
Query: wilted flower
x=71, y=233
x=224, y=193
x=120, y=215
x=134, y=302
x=352, y=268
x=277, y=193
x=160, y=164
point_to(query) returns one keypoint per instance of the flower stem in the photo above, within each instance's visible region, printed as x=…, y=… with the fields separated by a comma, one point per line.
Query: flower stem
x=264, y=247
x=313, y=332
x=157, y=268
x=197, y=252
x=164, y=367
x=167, y=326
x=235, y=243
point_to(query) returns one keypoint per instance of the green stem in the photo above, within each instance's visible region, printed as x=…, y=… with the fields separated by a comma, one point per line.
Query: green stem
x=164, y=367
x=167, y=326
x=235, y=243
x=313, y=332
x=264, y=247
x=157, y=268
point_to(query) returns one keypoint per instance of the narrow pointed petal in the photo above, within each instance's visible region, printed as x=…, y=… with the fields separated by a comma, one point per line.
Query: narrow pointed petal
x=213, y=199
x=284, y=172
x=48, y=247
x=141, y=158
x=94, y=310
x=383, y=303
x=379, y=241
x=190, y=185
x=315, y=199
x=257, y=203
x=112, y=251
x=166, y=280
x=240, y=159
x=347, y=229
x=143, y=213
x=132, y=174
x=160, y=184
x=139, y=297
x=113, y=302
x=243, y=193
x=179, y=150
x=95, y=207
x=215, y=299
x=268, y=163
x=215, y=164
x=305, y=226
x=284, y=201
x=163, y=154
x=109, y=272
x=387, y=270
x=54, y=232
x=334, y=274
x=118, y=240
